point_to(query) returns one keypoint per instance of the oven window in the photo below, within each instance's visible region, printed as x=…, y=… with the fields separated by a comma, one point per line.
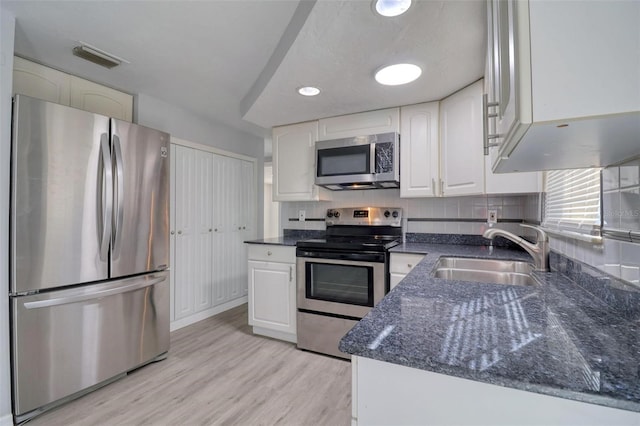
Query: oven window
x=340, y=283
x=352, y=160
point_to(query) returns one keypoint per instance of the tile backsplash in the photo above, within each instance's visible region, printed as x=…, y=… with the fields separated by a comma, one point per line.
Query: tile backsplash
x=450, y=215
x=621, y=197
x=618, y=258
x=467, y=215
x=620, y=213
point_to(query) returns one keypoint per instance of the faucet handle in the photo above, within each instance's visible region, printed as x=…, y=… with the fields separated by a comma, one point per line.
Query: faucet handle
x=541, y=235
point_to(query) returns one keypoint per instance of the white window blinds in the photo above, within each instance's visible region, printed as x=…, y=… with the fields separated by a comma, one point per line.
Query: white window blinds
x=572, y=201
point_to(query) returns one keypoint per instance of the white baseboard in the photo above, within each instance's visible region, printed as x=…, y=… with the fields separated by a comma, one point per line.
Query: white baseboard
x=280, y=335
x=6, y=420
x=183, y=322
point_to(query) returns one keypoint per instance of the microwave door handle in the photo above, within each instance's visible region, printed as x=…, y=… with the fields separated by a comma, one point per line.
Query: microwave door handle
x=372, y=158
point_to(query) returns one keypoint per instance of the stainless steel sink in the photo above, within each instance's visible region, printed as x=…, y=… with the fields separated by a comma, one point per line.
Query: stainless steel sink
x=493, y=271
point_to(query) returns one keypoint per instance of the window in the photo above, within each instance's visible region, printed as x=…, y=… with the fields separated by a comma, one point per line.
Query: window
x=572, y=203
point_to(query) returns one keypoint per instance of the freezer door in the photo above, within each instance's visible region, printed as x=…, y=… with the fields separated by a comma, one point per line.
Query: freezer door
x=60, y=187
x=140, y=241
x=66, y=341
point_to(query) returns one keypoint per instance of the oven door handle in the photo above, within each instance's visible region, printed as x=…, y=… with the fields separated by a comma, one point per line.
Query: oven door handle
x=348, y=262
x=346, y=257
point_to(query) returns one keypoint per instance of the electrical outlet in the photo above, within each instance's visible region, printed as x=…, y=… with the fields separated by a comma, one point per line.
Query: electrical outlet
x=302, y=215
x=492, y=216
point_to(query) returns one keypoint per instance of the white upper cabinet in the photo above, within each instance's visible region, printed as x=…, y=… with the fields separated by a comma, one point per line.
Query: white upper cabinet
x=419, y=156
x=93, y=97
x=360, y=124
x=294, y=163
x=461, y=152
x=38, y=81
x=565, y=82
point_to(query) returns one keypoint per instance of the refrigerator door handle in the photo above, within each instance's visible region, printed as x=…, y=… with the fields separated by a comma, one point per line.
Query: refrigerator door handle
x=105, y=196
x=95, y=295
x=119, y=217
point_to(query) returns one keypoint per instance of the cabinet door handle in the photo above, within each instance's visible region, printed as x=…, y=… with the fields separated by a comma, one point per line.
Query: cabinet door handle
x=269, y=253
x=179, y=232
x=173, y=232
x=485, y=124
x=441, y=187
x=409, y=265
x=433, y=186
x=290, y=273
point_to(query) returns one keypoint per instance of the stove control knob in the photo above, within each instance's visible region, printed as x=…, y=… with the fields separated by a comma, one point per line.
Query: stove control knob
x=329, y=213
x=387, y=213
x=336, y=214
x=395, y=214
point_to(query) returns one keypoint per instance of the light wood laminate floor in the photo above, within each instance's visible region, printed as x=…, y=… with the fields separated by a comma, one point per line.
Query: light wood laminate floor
x=218, y=372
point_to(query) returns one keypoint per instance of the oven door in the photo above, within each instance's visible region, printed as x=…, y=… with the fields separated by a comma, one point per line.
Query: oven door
x=340, y=286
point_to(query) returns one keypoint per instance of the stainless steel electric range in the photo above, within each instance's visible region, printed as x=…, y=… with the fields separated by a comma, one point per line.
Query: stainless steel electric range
x=342, y=276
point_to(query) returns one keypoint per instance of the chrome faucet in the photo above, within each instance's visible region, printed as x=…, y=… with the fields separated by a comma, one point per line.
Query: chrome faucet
x=539, y=251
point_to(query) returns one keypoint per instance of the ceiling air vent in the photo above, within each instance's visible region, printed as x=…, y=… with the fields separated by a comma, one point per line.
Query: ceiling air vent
x=97, y=56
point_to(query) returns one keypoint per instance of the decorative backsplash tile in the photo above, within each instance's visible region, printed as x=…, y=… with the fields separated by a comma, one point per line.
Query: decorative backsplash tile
x=468, y=214
x=621, y=197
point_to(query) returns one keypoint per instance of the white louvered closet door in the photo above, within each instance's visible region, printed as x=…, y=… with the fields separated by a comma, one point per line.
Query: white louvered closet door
x=249, y=218
x=213, y=212
x=222, y=229
x=193, y=231
x=184, y=300
x=235, y=237
x=234, y=223
x=202, y=200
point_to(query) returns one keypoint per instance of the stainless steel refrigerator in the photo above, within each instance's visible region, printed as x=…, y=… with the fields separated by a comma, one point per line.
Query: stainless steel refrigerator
x=89, y=288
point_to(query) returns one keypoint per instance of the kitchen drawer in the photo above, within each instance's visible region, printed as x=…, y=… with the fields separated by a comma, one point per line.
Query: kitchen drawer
x=272, y=253
x=403, y=263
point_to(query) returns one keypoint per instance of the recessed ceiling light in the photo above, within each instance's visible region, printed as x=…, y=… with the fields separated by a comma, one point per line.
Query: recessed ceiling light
x=308, y=91
x=391, y=8
x=397, y=74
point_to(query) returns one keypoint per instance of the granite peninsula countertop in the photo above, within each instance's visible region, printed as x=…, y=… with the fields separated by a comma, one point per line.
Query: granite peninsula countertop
x=290, y=237
x=276, y=241
x=574, y=336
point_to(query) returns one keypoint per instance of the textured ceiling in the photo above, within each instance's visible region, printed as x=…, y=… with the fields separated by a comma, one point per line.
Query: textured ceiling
x=239, y=62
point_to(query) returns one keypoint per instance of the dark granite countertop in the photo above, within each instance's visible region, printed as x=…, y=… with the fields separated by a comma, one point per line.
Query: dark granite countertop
x=574, y=336
x=290, y=237
x=277, y=241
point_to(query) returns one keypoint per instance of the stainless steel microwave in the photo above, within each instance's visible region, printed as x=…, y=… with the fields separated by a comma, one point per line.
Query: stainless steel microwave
x=362, y=162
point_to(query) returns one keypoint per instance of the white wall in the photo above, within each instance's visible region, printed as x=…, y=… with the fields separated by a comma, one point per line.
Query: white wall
x=183, y=124
x=7, y=31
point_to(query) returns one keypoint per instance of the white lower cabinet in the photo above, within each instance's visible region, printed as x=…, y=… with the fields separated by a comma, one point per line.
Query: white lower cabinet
x=400, y=265
x=213, y=211
x=272, y=291
x=384, y=393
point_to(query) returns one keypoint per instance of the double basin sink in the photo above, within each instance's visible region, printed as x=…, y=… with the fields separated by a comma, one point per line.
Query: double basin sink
x=494, y=271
